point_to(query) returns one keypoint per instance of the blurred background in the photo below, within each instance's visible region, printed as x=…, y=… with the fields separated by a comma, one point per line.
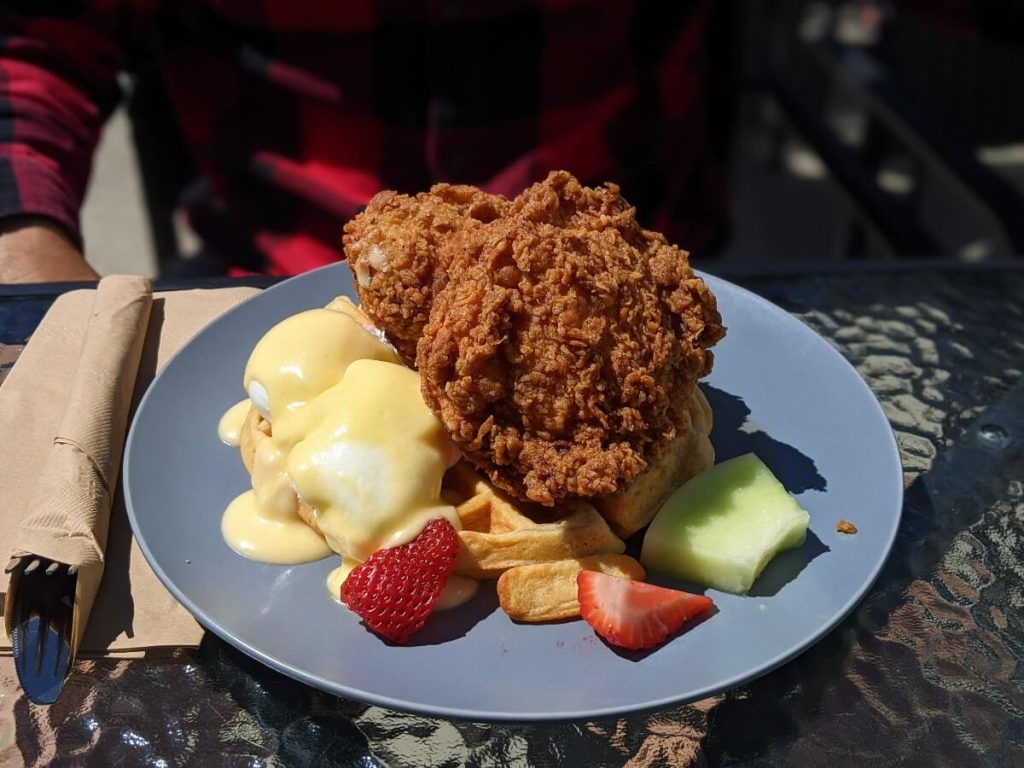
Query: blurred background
x=853, y=132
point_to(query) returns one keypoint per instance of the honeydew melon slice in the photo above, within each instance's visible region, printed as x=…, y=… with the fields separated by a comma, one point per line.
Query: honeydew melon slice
x=724, y=526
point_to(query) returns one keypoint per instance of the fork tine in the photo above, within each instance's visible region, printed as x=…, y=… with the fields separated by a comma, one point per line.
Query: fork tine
x=42, y=631
x=32, y=566
x=52, y=568
x=12, y=564
x=62, y=630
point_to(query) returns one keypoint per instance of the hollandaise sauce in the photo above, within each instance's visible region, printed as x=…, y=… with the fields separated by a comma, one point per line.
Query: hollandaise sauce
x=337, y=577
x=348, y=440
x=457, y=590
x=229, y=429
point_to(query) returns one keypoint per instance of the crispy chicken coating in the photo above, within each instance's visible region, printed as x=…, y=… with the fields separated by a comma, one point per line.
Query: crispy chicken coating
x=399, y=249
x=559, y=347
x=556, y=339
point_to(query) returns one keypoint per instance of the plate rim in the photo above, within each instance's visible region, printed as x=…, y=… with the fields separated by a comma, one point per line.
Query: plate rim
x=510, y=717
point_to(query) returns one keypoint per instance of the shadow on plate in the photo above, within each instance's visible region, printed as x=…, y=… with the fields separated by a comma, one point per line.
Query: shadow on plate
x=734, y=434
x=786, y=566
x=445, y=626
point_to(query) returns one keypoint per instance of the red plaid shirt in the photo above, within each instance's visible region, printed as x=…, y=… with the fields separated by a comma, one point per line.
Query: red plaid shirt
x=299, y=111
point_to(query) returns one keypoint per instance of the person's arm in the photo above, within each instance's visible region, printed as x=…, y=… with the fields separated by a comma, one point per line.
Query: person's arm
x=34, y=250
x=58, y=83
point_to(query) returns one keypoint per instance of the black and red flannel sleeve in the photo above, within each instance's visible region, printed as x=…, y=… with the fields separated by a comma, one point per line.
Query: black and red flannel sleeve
x=59, y=63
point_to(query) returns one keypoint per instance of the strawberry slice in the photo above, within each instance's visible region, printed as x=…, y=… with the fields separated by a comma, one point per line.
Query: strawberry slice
x=396, y=589
x=632, y=614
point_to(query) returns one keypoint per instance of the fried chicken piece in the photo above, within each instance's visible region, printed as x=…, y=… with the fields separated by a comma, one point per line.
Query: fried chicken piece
x=560, y=349
x=399, y=249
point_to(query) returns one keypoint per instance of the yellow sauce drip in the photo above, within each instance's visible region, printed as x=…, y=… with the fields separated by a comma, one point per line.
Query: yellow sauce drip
x=229, y=428
x=337, y=577
x=283, y=540
x=457, y=591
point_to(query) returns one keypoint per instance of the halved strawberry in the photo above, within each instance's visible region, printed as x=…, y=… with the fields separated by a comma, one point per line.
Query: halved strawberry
x=632, y=614
x=396, y=589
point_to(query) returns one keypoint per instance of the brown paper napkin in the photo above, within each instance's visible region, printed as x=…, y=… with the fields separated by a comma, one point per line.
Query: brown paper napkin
x=43, y=498
x=68, y=513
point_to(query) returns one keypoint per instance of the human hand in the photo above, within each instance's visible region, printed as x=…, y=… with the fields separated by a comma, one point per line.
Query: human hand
x=34, y=250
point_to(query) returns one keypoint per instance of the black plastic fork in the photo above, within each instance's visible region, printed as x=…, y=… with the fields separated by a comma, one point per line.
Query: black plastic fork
x=41, y=618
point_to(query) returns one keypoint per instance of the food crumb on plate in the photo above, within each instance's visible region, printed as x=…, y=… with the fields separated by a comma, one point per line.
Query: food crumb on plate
x=845, y=526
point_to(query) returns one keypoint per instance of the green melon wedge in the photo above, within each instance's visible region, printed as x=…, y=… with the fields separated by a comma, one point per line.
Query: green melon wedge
x=724, y=526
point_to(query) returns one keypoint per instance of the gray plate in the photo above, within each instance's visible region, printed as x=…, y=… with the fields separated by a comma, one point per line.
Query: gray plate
x=777, y=388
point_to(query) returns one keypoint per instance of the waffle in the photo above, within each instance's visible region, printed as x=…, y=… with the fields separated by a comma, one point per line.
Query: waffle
x=632, y=508
x=499, y=534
